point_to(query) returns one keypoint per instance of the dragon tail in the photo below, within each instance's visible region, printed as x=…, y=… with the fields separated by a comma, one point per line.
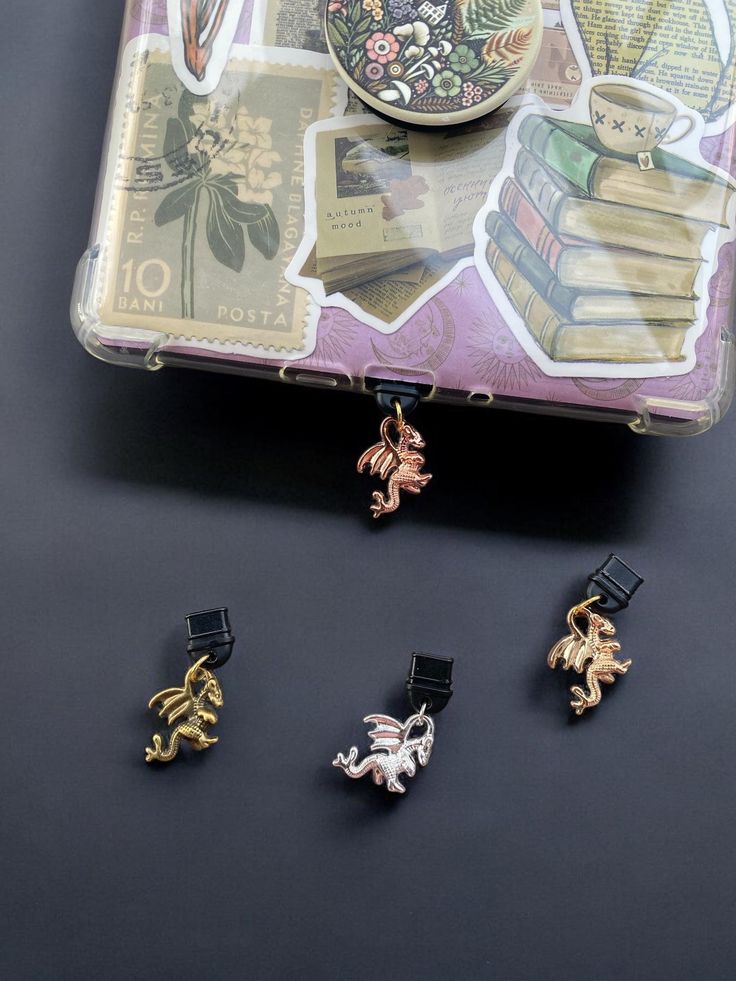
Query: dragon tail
x=347, y=764
x=594, y=677
x=586, y=699
x=384, y=504
x=159, y=753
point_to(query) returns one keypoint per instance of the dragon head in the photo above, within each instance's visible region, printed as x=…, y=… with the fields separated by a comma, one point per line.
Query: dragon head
x=602, y=624
x=582, y=616
x=424, y=743
x=213, y=690
x=411, y=437
x=425, y=748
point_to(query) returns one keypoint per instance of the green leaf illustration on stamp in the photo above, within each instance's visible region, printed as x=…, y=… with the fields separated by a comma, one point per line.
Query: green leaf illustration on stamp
x=230, y=163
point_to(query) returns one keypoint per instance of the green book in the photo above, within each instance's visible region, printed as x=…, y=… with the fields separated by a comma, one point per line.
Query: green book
x=673, y=187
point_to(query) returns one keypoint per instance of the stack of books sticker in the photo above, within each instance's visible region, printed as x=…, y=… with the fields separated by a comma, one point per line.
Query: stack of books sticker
x=599, y=257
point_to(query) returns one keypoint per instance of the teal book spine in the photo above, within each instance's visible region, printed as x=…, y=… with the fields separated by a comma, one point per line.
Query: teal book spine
x=531, y=266
x=547, y=194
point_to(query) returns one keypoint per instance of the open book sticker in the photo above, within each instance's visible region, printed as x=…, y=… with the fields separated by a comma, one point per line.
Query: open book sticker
x=202, y=33
x=602, y=231
x=389, y=212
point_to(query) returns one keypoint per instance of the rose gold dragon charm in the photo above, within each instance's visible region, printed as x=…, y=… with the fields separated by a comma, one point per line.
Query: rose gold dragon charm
x=588, y=649
x=397, y=460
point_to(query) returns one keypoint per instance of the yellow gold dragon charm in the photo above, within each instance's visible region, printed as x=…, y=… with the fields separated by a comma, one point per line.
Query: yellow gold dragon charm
x=396, y=460
x=586, y=650
x=190, y=704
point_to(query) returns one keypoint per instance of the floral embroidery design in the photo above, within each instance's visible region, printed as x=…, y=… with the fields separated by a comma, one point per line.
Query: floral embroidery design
x=431, y=57
x=382, y=47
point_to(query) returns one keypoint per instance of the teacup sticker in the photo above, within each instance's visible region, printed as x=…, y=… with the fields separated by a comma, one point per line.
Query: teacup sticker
x=628, y=120
x=686, y=48
x=602, y=231
x=202, y=33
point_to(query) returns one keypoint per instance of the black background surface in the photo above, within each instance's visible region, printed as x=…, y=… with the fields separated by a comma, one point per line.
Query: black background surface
x=532, y=847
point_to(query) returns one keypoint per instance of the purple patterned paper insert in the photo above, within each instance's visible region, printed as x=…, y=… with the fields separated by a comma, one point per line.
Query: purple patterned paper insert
x=459, y=339
x=487, y=357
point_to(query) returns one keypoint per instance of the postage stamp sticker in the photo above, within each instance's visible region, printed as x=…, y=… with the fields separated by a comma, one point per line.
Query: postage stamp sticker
x=206, y=207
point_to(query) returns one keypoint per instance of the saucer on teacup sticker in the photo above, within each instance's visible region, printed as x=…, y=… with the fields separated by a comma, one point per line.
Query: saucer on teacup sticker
x=632, y=121
x=434, y=64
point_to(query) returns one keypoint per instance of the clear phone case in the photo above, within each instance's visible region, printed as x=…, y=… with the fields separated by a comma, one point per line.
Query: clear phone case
x=571, y=252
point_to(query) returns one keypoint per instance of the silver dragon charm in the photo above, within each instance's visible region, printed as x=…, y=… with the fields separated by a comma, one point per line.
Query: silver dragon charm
x=393, y=749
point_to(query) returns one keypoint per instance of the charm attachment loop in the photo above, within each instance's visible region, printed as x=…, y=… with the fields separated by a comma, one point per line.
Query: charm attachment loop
x=210, y=631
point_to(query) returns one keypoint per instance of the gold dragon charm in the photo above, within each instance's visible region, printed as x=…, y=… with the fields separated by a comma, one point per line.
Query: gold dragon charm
x=396, y=460
x=585, y=650
x=191, y=706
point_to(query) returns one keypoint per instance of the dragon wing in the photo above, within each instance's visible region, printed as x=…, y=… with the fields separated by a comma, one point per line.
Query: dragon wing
x=563, y=650
x=572, y=650
x=382, y=457
x=175, y=702
x=387, y=733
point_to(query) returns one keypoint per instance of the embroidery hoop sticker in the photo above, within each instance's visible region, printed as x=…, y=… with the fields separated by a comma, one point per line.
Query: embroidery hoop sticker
x=221, y=42
x=414, y=73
